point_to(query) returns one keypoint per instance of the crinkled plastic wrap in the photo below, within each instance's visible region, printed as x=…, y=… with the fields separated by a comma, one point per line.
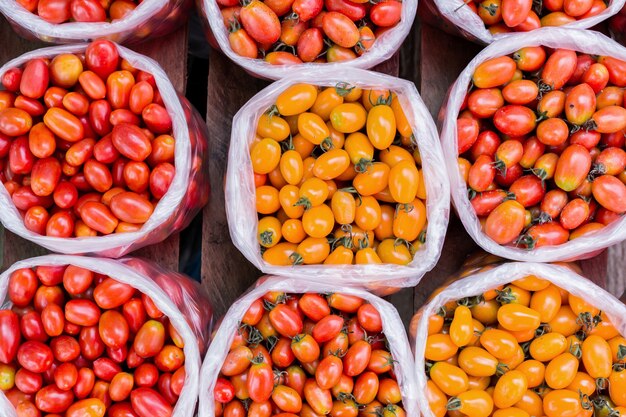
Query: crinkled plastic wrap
x=177, y=296
x=151, y=18
x=588, y=42
x=478, y=282
x=240, y=190
x=456, y=17
x=384, y=46
x=392, y=327
x=189, y=190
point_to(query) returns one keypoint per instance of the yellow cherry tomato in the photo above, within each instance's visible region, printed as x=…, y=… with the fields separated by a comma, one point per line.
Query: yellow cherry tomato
x=394, y=155
x=478, y=330
x=510, y=412
x=267, y=201
x=584, y=383
x=580, y=306
x=516, y=360
x=280, y=254
x=435, y=323
x=331, y=164
x=292, y=121
x=293, y=231
x=561, y=371
x=308, y=165
x=296, y=99
x=343, y=206
x=385, y=229
x=605, y=328
x=359, y=237
x=318, y=221
x=462, y=327
x=532, y=283
x=548, y=346
x=562, y=403
x=371, y=98
x=464, y=167
x=409, y=220
x=312, y=250
x=332, y=188
x=512, y=294
x=499, y=343
x=617, y=387
x=478, y=382
x=531, y=402
x=337, y=139
x=288, y=197
x=291, y=167
x=273, y=126
x=360, y=149
x=597, y=357
x=618, y=349
x=523, y=336
x=390, y=251
x=403, y=182
x=352, y=94
x=402, y=123
x=436, y=399
x=450, y=379
x=373, y=180
x=477, y=361
x=565, y=322
x=547, y=302
x=348, y=117
x=534, y=371
x=313, y=192
x=312, y=128
x=326, y=101
x=509, y=389
x=472, y=403
x=486, y=311
x=381, y=126
x=421, y=186
x=265, y=156
x=269, y=231
x=367, y=256
x=440, y=347
x=303, y=146
x=340, y=256
x=368, y=213
x=516, y=317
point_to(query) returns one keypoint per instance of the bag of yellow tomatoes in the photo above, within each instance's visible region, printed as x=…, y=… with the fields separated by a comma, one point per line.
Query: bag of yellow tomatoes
x=338, y=176
x=485, y=21
x=300, y=347
x=520, y=340
x=521, y=202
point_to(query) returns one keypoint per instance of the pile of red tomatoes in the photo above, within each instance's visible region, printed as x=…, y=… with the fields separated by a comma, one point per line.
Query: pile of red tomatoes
x=502, y=16
x=77, y=343
x=61, y=11
x=541, y=145
x=309, y=355
x=295, y=31
x=86, y=144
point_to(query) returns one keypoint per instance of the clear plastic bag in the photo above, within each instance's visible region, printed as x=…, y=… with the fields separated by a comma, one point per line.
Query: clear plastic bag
x=188, y=193
x=384, y=46
x=478, y=280
x=240, y=190
x=150, y=19
x=392, y=327
x=455, y=17
x=181, y=299
x=590, y=42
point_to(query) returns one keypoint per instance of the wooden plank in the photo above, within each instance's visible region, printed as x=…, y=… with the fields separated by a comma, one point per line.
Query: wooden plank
x=616, y=275
x=171, y=53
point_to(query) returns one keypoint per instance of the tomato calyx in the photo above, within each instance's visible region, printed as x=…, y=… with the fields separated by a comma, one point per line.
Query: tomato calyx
x=471, y=301
x=304, y=202
x=267, y=237
x=492, y=9
x=527, y=241
x=363, y=164
x=453, y=404
x=327, y=144
x=588, y=323
x=343, y=88
x=272, y=111
x=602, y=405
x=234, y=25
x=254, y=337
x=585, y=402
x=281, y=46
x=542, y=329
x=596, y=171
x=500, y=166
x=621, y=353
x=505, y=296
x=293, y=16
x=296, y=259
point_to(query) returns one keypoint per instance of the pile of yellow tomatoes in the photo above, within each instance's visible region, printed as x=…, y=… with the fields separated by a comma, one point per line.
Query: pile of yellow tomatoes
x=338, y=178
x=525, y=349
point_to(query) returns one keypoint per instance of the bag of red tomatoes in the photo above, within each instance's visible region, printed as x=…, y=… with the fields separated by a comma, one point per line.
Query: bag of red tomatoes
x=521, y=339
x=533, y=134
x=484, y=21
x=71, y=21
x=338, y=175
x=273, y=38
x=304, y=348
x=85, y=336
x=99, y=153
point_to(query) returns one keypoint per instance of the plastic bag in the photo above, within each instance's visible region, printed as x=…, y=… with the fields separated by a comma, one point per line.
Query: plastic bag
x=188, y=193
x=479, y=281
x=456, y=17
x=177, y=296
x=384, y=46
x=240, y=190
x=150, y=19
x=584, y=41
x=392, y=327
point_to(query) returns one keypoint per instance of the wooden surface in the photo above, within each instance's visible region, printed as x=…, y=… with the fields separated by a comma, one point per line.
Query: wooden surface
x=225, y=272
